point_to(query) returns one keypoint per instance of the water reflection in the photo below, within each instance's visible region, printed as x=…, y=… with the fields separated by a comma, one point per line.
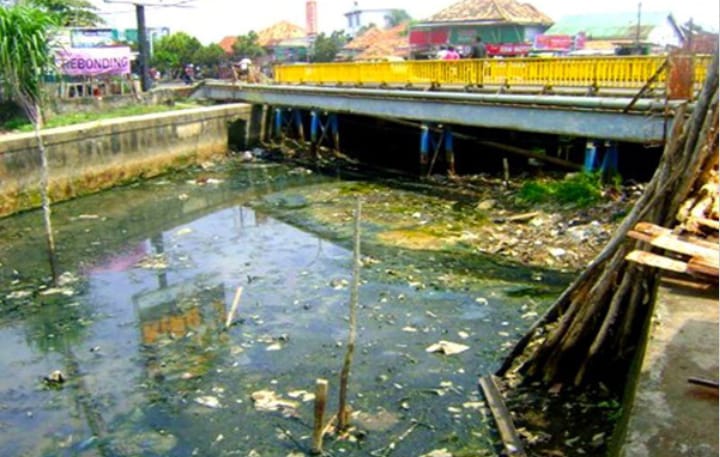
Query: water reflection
x=152, y=370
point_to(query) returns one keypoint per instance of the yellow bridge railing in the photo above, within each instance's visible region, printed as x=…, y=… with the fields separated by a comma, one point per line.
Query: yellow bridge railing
x=595, y=72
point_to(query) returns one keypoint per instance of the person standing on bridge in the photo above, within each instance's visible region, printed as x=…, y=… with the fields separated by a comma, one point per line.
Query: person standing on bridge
x=451, y=54
x=479, y=51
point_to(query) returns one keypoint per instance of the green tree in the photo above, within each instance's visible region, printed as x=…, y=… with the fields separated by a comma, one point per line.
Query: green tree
x=326, y=47
x=210, y=57
x=70, y=13
x=397, y=17
x=174, y=51
x=247, y=46
x=25, y=57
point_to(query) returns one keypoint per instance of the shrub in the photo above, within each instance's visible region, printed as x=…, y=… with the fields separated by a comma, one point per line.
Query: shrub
x=579, y=189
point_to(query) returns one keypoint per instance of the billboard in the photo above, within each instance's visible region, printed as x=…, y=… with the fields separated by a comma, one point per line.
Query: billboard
x=92, y=38
x=94, y=61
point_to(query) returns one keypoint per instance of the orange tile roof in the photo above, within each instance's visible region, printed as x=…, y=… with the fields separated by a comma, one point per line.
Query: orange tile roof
x=384, y=43
x=364, y=40
x=278, y=32
x=227, y=44
x=504, y=11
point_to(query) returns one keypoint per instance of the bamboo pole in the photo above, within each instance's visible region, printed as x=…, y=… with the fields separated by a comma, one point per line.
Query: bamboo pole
x=321, y=390
x=503, y=420
x=233, y=308
x=345, y=373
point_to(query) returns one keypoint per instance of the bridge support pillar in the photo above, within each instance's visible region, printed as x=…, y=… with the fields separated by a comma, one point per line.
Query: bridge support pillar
x=319, y=130
x=449, y=150
x=424, y=149
x=609, y=166
x=255, y=128
x=590, y=156
x=284, y=124
x=278, y=131
x=297, y=117
x=430, y=142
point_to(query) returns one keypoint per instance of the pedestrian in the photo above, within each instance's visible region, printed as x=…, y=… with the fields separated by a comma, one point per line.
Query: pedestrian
x=452, y=54
x=441, y=53
x=188, y=73
x=478, y=51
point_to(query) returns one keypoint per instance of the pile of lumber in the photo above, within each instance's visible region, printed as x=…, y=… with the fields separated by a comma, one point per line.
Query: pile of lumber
x=691, y=247
x=682, y=253
x=699, y=213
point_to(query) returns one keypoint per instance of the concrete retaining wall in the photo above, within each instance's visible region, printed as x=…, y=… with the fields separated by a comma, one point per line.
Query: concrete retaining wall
x=93, y=156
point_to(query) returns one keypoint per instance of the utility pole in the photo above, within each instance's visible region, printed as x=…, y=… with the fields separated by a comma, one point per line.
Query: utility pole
x=143, y=44
x=142, y=47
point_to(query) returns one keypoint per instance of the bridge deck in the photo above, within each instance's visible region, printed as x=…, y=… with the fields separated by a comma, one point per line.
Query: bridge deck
x=591, y=117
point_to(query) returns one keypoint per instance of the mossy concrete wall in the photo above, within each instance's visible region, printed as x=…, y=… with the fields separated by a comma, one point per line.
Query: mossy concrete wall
x=89, y=157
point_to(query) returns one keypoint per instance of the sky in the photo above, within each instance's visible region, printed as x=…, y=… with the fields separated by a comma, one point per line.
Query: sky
x=211, y=20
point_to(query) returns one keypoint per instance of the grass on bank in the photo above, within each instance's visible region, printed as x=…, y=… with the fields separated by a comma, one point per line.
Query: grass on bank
x=19, y=123
x=577, y=189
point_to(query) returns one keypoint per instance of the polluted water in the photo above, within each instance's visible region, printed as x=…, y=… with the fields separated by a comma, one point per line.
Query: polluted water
x=134, y=351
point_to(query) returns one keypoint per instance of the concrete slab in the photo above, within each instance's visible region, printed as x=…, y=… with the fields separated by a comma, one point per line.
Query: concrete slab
x=671, y=417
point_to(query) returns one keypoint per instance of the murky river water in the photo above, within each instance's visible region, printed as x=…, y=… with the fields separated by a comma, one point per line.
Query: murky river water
x=138, y=328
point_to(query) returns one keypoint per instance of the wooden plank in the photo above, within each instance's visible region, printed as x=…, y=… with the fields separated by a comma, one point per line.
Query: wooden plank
x=649, y=229
x=711, y=223
x=505, y=426
x=657, y=261
x=641, y=236
x=671, y=243
x=697, y=265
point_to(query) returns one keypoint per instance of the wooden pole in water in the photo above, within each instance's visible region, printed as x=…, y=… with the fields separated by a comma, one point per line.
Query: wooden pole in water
x=506, y=171
x=345, y=373
x=233, y=308
x=321, y=390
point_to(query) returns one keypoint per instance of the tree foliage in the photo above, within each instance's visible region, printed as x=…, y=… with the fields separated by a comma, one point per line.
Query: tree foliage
x=397, y=17
x=326, y=47
x=174, y=51
x=70, y=13
x=209, y=55
x=24, y=52
x=24, y=58
x=247, y=46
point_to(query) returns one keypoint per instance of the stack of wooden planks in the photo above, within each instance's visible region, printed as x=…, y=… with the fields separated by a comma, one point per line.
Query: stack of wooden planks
x=682, y=252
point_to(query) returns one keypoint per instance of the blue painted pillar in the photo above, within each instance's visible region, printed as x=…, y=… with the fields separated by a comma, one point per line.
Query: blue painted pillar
x=314, y=126
x=590, y=156
x=278, y=122
x=609, y=165
x=335, y=131
x=424, y=148
x=449, y=150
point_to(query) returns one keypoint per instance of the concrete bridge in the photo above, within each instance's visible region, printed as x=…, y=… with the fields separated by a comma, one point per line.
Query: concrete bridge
x=603, y=100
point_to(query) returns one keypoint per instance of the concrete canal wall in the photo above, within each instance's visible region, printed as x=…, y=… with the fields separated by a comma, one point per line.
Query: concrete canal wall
x=89, y=157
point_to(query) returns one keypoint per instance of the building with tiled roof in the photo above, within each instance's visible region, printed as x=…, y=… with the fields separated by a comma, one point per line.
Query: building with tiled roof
x=278, y=32
x=386, y=44
x=506, y=26
x=227, y=44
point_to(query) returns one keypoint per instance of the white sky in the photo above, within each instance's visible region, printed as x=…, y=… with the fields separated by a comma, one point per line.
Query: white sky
x=211, y=20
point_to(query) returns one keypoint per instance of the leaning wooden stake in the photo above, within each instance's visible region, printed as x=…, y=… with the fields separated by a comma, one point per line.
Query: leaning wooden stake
x=343, y=411
x=511, y=440
x=233, y=308
x=321, y=390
